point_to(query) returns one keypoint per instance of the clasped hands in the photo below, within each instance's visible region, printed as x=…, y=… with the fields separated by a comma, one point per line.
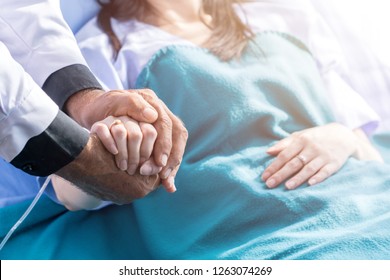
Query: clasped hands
x=135, y=126
x=132, y=143
x=145, y=137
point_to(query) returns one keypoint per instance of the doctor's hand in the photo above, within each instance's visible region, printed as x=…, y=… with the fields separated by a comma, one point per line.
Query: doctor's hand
x=130, y=142
x=95, y=172
x=90, y=106
x=310, y=155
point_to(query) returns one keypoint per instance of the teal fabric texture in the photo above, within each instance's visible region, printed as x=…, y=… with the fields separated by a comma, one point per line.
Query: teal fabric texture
x=52, y=232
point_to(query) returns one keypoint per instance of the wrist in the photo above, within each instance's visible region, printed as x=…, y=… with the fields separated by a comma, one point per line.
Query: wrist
x=365, y=150
x=81, y=107
x=64, y=147
x=348, y=139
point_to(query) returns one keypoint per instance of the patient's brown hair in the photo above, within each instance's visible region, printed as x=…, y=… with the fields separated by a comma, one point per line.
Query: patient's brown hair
x=229, y=35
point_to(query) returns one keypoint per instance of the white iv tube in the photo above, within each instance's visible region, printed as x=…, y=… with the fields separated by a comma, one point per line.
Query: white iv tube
x=33, y=203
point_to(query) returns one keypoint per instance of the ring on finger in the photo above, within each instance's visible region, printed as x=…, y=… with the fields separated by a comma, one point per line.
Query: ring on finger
x=116, y=122
x=302, y=159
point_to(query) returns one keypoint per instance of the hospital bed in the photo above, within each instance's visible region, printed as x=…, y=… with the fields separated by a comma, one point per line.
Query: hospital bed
x=52, y=224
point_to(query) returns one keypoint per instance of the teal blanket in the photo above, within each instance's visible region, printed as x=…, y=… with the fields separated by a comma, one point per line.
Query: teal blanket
x=222, y=210
x=52, y=232
x=233, y=112
x=381, y=141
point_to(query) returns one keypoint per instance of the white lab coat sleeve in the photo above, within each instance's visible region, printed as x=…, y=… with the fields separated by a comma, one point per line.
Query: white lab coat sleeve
x=25, y=110
x=40, y=40
x=31, y=125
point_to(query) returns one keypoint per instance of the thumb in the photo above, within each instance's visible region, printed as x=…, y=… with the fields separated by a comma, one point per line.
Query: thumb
x=139, y=109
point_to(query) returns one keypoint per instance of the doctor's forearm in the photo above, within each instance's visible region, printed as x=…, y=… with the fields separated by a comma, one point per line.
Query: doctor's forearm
x=59, y=144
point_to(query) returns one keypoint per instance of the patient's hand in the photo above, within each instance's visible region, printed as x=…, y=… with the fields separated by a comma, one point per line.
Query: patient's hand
x=94, y=171
x=89, y=106
x=311, y=155
x=131, y=143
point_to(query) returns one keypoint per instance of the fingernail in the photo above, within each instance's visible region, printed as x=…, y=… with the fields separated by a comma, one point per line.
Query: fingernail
x=114, y=150
x=150, y=113
x=132, y=168
x=164, y=159
x=167, y=173
x=270, y=149
x=290, y=185
x=148, y=169
x=312, y=182
x=270, y=183
x=171, y=182
x=123, y=165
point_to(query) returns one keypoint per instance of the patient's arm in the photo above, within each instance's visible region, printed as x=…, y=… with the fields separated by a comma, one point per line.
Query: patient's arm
x=365, y=149
x=72, y=197
x=314, y=154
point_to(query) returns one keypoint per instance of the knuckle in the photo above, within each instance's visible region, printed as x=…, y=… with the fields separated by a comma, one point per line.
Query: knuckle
x=311, y=169
x=325, y=172
x=119, y=157
x=298, y=178
x=304, y=138
x=176, y=161
x=166, y=143
x=132, y=160
x=149, y=92
x=119, y=131
x=283, y=157
x=130, y=93
x=295, y=136
x=184, y=133
x=165, y=122
x=295, y=164
x=98, y=127
x=316, y=148
x=271, y=169
x=149, y=131
x=135, y=135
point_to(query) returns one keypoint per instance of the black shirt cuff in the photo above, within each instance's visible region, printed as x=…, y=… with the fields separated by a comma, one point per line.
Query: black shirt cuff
x=63, y=83
x=54, y=148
